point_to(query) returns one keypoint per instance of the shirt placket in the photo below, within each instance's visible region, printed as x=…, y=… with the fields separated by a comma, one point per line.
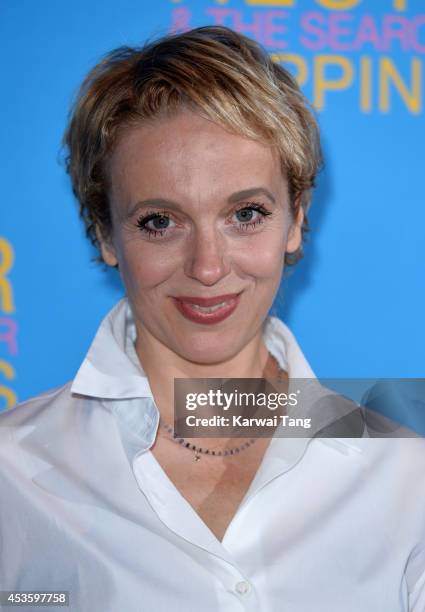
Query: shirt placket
x=177, y=514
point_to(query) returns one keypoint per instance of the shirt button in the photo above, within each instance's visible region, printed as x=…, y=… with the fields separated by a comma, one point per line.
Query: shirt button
x=242, y=587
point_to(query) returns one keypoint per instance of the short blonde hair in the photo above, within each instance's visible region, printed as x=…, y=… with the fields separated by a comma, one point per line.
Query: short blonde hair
x=223, y=75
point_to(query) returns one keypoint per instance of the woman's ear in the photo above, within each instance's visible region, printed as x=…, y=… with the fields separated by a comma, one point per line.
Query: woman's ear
x=295, y=234
x=106, y=248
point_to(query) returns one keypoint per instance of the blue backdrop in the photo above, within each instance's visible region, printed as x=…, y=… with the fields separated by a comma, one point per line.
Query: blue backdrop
x=355, y=303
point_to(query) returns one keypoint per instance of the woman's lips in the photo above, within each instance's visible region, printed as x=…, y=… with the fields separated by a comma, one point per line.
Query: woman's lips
x=194, y=308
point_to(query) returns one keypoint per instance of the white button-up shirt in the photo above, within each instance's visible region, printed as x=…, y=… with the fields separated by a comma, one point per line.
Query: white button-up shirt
x=327, y=525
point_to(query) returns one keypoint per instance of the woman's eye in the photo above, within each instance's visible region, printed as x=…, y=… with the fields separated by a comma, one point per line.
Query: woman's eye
x=251, y=216
x=245, y=214
x=154, y=224
x=160, y=223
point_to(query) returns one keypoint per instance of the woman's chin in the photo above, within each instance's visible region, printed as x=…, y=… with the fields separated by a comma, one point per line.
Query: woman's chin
x=208, y=351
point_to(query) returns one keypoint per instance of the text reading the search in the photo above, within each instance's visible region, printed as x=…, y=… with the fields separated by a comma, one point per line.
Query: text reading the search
x=375, y=58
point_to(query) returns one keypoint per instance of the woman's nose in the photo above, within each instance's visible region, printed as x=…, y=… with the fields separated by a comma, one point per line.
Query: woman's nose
x=207, y=260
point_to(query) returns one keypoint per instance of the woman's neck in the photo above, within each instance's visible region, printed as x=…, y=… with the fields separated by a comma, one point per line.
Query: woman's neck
x=162, y=363
x=162, y=366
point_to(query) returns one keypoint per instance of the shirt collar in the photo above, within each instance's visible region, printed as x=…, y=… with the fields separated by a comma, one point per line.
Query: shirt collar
x=112, y=371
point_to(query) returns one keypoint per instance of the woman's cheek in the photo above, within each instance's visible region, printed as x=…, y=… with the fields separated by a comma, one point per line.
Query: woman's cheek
x=268, y=260
x=148, y=266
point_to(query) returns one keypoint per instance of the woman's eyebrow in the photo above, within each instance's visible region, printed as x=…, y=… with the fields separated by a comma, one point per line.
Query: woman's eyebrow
x=249, y=193
x=235, y=197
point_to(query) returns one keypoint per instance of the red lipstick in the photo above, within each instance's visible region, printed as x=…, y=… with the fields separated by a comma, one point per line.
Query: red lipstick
x=207, y=310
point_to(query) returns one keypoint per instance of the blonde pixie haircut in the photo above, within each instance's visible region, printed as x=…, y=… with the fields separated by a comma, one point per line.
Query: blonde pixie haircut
x=224, y=76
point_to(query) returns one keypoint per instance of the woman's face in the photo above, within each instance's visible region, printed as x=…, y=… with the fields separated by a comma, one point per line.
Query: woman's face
x=198, y=212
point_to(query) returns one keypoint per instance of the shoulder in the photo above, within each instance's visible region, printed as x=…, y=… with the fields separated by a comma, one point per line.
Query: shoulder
x=391, y=471
x=40, y=406
x=403, y=455
x=34, y=424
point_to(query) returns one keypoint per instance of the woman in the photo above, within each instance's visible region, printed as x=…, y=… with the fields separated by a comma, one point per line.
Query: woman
x=193, y=161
